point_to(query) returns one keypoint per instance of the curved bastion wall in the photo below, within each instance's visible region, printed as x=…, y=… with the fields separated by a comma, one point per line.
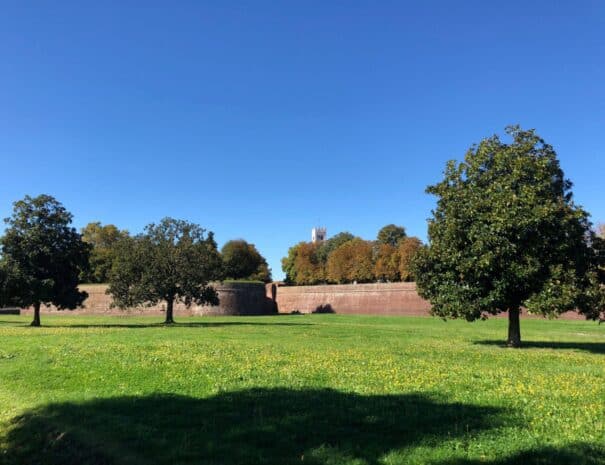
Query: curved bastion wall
x=234, y=299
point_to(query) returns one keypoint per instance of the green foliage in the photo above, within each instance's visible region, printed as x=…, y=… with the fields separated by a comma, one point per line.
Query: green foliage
x=172, y=261
x=242, y=260
x=3, y=284
x=334, y=389
x=42, y=256
x=309, y=269
x=506, y=234
x=391, y=234
x=103, y=240
x=288, y=264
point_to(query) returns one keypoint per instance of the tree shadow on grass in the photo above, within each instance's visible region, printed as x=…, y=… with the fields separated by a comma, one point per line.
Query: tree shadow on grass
x=594, y=347
x=257, y=426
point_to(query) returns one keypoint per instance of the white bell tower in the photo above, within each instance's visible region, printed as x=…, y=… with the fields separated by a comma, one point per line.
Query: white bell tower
x=318, y=234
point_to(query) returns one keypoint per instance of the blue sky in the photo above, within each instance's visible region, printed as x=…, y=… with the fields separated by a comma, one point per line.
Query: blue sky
x=259, y=120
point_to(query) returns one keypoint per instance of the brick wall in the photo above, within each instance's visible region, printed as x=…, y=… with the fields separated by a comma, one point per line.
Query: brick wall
x=378, y=299
x=235, y=299
x=369, y=299
x=255, y=299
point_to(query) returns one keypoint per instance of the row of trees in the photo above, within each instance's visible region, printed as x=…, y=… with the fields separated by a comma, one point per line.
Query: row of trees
x=241, y=260
x=43, y=259
x=345, y=258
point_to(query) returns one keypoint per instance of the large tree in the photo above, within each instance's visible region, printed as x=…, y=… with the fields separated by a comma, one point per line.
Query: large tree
x=102, y=239
x=507, y=235
x=242, y=260
x=42, y=256
x=173, y=261
x=351, y=262
x=302, y=265
x=391, y=234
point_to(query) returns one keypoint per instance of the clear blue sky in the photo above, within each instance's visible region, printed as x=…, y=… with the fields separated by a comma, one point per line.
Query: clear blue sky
x=261, y=119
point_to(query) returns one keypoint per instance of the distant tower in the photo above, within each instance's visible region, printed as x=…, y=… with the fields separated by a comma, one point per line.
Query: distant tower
x=318, y=234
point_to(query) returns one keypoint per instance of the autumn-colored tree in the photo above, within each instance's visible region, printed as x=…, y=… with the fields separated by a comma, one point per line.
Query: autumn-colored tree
x=331, y=244
x=351, y=262
x=386, y=266
x=407, y=250
x=303, y=265
x=309, y=269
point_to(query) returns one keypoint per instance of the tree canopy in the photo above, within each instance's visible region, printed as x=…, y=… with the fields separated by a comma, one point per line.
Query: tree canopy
x=506, y=234
x=242, y=260
x=406, y=252
x=173, y=261
x=351, y=262
x=386, y=263
x=102, y=239
x=302, y=265
x=328, y=246
x=42, y=256
x=391, y=234
x=345, y=258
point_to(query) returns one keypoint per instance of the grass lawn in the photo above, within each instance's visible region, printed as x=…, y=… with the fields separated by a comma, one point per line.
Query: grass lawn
x=312, y=389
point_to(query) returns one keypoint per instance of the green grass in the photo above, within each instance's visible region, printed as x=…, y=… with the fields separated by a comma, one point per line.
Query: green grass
x=313, y=389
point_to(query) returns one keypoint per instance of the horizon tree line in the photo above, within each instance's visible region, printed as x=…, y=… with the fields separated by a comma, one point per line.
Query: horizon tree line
x=345, y=258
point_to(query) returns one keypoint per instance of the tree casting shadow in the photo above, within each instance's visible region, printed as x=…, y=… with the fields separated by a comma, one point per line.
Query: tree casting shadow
x=594, y=347
x=257, y=426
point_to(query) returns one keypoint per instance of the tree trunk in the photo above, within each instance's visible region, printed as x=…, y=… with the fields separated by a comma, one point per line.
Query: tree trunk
x=514, y=328
x=169, y=312
x=36, y=321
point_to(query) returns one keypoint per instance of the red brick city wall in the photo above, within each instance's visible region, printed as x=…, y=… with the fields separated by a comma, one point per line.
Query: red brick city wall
x=255, y=299
x=235, y=299
x=377, y=299
x=369, y=299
